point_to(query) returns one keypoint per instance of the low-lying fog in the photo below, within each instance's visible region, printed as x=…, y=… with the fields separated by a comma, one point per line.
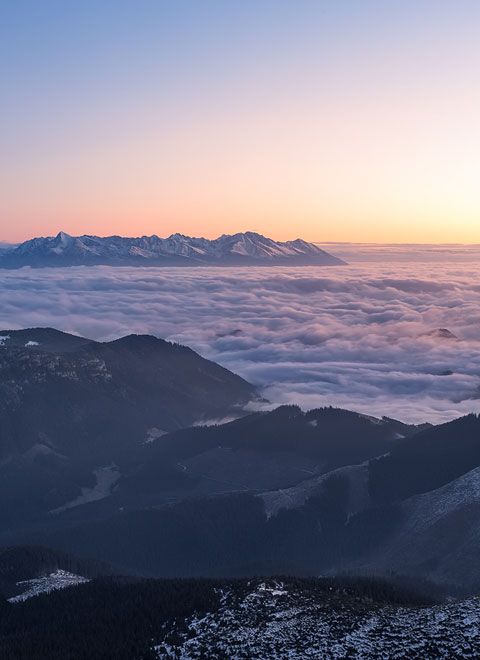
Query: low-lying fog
x=370, y=336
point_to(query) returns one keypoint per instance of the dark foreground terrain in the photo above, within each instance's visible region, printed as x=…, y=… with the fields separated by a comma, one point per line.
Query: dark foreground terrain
x=117, y=618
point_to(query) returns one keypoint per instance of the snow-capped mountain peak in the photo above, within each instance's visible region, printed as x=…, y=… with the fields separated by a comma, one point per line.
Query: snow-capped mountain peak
x=241, y=249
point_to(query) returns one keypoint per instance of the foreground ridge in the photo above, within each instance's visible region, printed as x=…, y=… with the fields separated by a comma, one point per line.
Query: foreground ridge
x=277, y=619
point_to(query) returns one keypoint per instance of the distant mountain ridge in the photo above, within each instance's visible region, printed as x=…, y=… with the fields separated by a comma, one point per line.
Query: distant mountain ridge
x=242, y=249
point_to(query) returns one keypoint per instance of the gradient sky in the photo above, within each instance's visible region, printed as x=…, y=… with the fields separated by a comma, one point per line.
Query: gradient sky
x=335, y=120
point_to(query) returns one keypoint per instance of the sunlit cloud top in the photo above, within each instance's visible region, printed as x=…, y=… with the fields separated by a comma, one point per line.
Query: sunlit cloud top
x=353, y=120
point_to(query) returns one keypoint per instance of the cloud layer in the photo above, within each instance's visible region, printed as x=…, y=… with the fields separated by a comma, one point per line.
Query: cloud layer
x=362, y=336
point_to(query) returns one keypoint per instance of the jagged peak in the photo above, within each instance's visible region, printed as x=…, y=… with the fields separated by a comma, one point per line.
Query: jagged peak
x=63, y=236
x=242, y=248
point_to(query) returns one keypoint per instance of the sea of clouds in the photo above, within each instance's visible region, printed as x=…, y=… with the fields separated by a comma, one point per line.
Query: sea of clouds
x=361, y=336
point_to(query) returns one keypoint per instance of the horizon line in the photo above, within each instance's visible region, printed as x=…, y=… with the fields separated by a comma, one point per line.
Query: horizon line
x=314, y=241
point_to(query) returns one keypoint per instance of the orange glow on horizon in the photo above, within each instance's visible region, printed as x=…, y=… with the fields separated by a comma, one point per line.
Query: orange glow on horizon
x=363, y=129
x=390, y=176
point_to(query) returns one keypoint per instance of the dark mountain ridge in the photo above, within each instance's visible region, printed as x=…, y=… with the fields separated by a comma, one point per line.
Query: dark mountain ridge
x=326, y=521
x=45, y=371
x=69, y=406
x=98, y=457
x=432, y=459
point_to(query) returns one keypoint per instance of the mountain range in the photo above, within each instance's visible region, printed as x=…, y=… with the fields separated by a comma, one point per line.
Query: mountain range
x=242, y=249
x=197, y=510
x=73, y=410
x=107, y=452
x=115, y=482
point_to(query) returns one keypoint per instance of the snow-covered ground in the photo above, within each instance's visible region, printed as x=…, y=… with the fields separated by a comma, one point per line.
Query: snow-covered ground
x=296, y=496
x=154, y=434
x=57, y=580
x=280, y=622
x=106, y=478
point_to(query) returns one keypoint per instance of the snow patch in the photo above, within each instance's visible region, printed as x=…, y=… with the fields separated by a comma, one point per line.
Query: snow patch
x=58, y=580
x=154, y=434
x=216, y=421
x=106, y=479
x=276, y=590
x=296, y=496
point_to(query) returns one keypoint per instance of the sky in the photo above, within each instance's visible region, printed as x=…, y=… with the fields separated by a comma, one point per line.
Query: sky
x=333, y=120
